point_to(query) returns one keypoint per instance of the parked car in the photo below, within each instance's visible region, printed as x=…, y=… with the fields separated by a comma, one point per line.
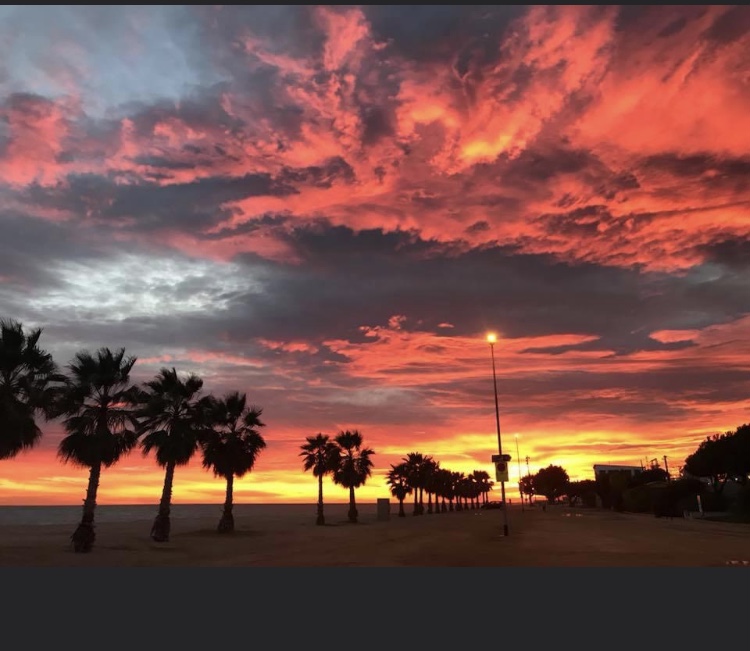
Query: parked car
x=492, y=505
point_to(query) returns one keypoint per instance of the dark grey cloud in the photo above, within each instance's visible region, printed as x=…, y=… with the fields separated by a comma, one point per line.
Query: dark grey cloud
x=732, y=253
x=435, y=32
x=349, y=280
x=730, y=26
x=664, y=394
x=709, y=170
x=29, y=249
x=145, y=206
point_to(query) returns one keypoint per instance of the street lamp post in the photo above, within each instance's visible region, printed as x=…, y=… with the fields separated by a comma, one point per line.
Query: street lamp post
x=491, y=338
x=518, y=457
x=528, y=474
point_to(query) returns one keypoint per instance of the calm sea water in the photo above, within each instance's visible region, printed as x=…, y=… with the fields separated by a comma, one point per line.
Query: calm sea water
x=52, y=515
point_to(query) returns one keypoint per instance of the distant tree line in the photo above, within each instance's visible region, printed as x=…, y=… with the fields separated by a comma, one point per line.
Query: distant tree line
x=720, y=459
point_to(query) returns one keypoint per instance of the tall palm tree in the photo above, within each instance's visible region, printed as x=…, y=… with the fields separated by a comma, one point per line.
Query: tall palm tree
x=231, y=444
x=322, y=456
x=98, y=405
x=442, y=482
x=171, y=423
x=430, y=482
x=459, y=480
x=29, y=379
x=451, y=479
x=398, y=481
x=415, y=463
x=485, y=483
x=355, y=466
x=473, y=489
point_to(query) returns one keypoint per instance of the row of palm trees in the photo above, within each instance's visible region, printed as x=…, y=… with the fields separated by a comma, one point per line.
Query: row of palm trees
x=106, y=415
x=419, y=474
x=350, y=465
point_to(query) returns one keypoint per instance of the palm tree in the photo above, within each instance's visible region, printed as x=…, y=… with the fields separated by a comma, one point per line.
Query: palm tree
x=430, y=482
x=398, y=480
x=443, y=488
x=458, y=489
x=415, y=463
x=98, y=404
x=322, y=456
x=28, y=381
x=171, y=424
x=231, y=444
x=485, y=484
x=355, y=466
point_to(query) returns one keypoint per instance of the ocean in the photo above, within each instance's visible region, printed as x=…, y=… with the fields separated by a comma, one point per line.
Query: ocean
x=61, y=515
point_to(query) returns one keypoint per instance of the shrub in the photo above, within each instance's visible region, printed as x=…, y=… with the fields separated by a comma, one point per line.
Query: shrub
x=637, y=499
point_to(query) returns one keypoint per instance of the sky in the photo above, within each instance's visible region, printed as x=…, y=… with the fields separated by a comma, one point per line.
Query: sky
x=328, y=208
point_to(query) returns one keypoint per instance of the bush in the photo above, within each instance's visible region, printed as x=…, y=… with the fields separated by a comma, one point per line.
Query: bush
x=713, y=501
x=588, y=499
x=741, y=505
x=637, y=499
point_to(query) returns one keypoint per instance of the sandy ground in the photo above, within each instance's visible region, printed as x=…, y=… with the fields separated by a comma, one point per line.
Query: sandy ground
x=557, y=537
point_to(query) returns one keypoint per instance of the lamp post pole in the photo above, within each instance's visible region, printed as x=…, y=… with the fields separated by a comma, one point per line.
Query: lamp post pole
x=518, y=457
x=528, y=472
x=491, y=339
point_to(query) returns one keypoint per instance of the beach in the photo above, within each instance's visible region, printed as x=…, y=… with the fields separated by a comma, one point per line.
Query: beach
x=286, y=535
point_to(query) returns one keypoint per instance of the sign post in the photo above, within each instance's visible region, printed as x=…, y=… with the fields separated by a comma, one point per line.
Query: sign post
x=501, y=466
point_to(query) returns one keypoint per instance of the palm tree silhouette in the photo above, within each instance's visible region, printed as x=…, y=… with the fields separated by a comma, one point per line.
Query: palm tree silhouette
x=100, y=420
x=354, y=468
x=482, y=477
x=440, y=484
x=398, y=480
x=459, y=480
x=415, y=464
x=171, y=424
x=231, y=444
x=29, y=380
x=322, y=456
x=430, y=481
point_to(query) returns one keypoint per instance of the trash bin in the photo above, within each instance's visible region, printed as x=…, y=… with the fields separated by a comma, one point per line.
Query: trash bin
x=384, y=509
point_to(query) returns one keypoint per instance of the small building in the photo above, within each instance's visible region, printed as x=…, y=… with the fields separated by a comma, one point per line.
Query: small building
x=603, y=470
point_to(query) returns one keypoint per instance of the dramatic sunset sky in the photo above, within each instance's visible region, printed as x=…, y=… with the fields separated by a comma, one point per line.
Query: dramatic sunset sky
x=328, y=208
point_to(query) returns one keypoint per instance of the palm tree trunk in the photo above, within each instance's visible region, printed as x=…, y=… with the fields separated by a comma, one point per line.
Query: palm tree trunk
x=421, y=501
x=450, y=503
x=401, y=512
x=443, y=508
x=429, y=502
x=352, y=505
x=83, y=537
x=160, y=530
x=321, y=519
x=416, y=502
x=226, y=524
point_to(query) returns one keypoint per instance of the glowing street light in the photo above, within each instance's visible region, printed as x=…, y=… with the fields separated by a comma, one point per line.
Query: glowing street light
x=501, y=460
